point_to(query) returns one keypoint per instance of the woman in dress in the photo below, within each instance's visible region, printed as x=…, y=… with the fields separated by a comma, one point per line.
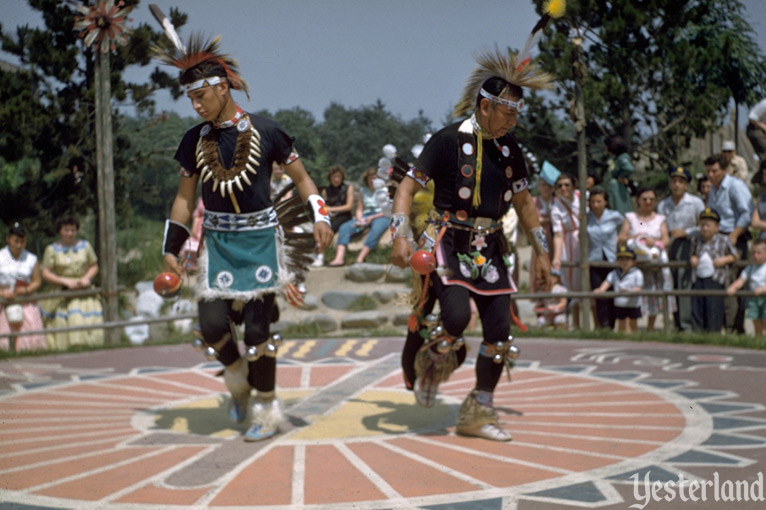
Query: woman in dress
x=647, y=228
x=70, y=264
x=543, y=203
x=565, y=220
x=603, y=226
x=369, y=214
x=19, y=277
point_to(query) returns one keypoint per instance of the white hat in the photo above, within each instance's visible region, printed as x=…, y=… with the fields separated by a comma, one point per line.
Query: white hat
x=728, y=145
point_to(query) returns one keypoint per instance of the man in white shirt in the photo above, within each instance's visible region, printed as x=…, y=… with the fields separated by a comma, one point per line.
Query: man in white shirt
x=681, y=210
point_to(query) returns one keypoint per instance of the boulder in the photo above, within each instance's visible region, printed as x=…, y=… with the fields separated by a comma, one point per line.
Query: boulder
x=398, y=275
x=364, y=272
x=324, y=322
x=340, y=299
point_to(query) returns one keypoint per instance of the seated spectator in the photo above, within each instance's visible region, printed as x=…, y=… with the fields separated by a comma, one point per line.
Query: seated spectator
x=552, y=312
x=19, y=277
x=71, y=264
x=339, y=200
x=369, y=215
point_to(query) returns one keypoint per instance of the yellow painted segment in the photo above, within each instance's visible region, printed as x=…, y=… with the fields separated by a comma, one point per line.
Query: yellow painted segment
x=345, y=348
x=366, y=347
x=374, y=413
x=285, y=348
x=304, y=349
x=180, y=425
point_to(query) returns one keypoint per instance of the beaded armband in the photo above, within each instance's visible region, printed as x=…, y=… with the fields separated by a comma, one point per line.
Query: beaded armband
x=400, y=225
x=539, y=241
x=319, y=209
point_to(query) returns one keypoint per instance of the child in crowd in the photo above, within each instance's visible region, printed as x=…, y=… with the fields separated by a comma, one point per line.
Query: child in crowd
x=626, y=278
x=754, y=276
x=712, y=254
x=551, y=312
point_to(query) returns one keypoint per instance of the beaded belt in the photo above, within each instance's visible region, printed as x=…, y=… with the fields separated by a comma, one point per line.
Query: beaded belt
x=480, y=225
x=257, y=220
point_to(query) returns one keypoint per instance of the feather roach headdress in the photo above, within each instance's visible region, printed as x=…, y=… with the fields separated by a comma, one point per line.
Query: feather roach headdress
x=197, y=51
x=516, y=69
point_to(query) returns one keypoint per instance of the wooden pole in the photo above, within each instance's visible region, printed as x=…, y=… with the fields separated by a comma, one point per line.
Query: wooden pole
x=106, y=214
x=580, y=72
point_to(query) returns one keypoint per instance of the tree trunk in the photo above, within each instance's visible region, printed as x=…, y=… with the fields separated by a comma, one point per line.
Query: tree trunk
x=106, y=215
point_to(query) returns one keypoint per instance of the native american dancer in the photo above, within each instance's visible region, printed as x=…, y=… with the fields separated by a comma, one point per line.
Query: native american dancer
x=477, y=171
x=249, y=252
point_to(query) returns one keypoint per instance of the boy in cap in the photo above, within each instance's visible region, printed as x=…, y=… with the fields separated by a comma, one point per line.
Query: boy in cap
x=627, y=278
x=711, y=259
x=754, y=276
x=681, y=209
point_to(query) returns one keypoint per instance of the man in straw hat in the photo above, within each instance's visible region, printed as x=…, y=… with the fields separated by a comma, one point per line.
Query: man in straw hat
x=246, y=257
x=478, y=173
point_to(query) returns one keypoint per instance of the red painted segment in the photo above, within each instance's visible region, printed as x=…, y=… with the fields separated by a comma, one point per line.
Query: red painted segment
x=289, y=377
x=100, y=485
x=47, y=441
x=491, y=471
x=408, y=477
x=71, y=421
x=26, y=459
x=641, y=434
x=194, y=379
x=266, y=481
x=156, y=387
x=153, y=495
x=331, y=478
x=606, y=446
x=103, y=391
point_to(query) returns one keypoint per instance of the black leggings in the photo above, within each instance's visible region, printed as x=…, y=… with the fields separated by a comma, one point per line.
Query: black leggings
x=494, y=312
x=215, y=318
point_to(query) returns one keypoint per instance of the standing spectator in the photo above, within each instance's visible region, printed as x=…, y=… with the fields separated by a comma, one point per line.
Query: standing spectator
x=737, y=164
x=70, y=264
x=756, y=128
x=681, y=210
x=620, y=170
x=544, y=204
x=646, y=227
x=603, y=226
x=565, y=220
x=734, y=203
x=369, y=214
x=339, y=199
x=19, y=276
x=703, y=187
x=758, y=221
x=754, y=276
x=712, y=256
x=626, y=278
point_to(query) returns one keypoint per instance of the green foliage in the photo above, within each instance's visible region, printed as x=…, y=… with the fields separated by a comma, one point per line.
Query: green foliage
x=658, y=73
x=47, y=113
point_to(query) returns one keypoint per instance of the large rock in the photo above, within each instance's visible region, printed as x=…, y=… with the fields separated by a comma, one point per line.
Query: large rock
x=341, y=299
x=384, y=295
x=401, y=319
x=364, y=272
x=324, y=322
x=310, y=302
x=363, y=320
x=398, y=275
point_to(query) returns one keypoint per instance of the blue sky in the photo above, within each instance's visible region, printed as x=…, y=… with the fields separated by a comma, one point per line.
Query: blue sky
x=411, y=54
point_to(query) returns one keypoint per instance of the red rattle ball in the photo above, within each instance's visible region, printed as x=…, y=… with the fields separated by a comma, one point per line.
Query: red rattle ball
x=422, y=262
x=167, y=284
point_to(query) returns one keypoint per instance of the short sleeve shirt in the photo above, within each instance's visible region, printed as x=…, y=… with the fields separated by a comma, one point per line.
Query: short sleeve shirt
x=276, y=146
x=440, y=161
x=624, y=283
x=754, y=276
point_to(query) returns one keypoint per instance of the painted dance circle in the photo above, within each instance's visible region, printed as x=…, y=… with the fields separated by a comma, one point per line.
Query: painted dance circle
x=353, y=439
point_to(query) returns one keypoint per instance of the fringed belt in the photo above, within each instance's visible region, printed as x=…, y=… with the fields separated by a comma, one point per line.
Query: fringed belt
x=232, y=222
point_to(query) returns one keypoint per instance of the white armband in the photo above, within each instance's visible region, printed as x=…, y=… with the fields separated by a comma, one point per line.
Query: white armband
x=539, y=241
x=319, y=209
x=400, y=225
